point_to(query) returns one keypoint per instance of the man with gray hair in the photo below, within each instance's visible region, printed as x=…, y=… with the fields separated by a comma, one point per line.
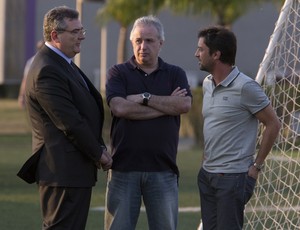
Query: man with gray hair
x=146, y=96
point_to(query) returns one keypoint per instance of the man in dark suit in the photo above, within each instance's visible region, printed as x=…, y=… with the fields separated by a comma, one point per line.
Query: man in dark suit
x=66, y=112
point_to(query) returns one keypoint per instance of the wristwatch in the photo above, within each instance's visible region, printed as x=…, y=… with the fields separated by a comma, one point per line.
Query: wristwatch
x=258, y=166
x=146, y=97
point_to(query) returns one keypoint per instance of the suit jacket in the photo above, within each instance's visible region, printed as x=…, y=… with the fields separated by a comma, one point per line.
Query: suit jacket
x=67, y=121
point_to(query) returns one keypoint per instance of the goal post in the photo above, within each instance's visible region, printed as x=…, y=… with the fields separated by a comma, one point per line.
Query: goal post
x=279, y=26
x=276, y=201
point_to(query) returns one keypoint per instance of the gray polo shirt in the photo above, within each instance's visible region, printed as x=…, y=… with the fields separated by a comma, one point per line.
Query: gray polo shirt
x=230, y=126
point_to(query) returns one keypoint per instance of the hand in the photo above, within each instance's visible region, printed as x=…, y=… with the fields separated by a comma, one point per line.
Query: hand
x=179, y=92
x=253, y=172
x=105, y=160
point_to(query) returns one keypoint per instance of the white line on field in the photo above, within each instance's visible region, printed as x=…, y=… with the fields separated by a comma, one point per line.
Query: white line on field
x=197, y=209
x=181, y=209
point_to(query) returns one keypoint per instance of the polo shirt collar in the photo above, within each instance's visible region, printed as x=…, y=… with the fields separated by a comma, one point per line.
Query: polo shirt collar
x=231, y=77
x=133, y=65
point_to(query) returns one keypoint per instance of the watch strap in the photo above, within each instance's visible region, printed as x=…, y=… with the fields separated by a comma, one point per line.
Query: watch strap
x=146, y=97
x=258, y=166
x=145, y=101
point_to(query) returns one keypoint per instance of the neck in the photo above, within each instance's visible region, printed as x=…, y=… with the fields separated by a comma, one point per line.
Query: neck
x=221, y=72
x=148, y=68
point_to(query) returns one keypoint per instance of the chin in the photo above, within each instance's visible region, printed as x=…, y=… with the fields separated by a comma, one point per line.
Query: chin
x=143, y=60
x=203, y=68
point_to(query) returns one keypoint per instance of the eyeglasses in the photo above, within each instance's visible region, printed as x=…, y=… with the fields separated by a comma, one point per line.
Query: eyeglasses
x=75, y=32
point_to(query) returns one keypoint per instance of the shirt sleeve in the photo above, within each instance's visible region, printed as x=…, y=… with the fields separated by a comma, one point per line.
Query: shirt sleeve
x=253, y=97
x=115, y=85
x=182, y=81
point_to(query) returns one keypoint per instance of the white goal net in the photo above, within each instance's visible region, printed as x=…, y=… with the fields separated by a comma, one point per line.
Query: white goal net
x=276, y=202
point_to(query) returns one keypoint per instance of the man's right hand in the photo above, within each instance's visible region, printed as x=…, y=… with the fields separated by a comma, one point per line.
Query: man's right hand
x=105, y=160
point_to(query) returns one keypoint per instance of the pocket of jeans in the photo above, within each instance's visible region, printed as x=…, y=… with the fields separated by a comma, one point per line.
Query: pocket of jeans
x=249, y=188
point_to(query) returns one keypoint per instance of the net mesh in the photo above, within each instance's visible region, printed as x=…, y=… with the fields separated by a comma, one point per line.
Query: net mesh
x=276, y=201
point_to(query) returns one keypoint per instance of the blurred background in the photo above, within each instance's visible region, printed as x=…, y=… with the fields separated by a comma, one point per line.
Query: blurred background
x=108, y=24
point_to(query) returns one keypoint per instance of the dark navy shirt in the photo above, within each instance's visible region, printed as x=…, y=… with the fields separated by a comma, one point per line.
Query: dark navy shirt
x=145, y=145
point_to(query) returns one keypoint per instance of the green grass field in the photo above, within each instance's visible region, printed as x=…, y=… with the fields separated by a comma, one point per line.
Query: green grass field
x=19, y=202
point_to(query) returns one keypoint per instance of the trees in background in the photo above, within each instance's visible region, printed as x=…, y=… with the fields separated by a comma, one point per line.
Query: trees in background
x=124, y=12
x=225, y=12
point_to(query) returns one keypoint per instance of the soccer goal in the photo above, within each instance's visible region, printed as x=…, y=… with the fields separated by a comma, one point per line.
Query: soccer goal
x=276, y=202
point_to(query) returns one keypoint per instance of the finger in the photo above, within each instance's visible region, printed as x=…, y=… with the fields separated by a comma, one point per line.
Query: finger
x=175, y=91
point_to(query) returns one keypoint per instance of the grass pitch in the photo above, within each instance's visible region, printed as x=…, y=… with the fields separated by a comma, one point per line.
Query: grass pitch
x=19, y=202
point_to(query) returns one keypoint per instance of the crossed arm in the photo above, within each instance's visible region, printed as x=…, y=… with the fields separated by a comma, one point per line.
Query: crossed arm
x=131, y=107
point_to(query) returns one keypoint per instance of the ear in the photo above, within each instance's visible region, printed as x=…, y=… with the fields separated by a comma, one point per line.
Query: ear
x=54, y=36
x=217, y=55
x=161, y=42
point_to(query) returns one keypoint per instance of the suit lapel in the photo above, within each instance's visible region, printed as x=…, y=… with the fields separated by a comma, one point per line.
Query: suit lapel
x=77, y=76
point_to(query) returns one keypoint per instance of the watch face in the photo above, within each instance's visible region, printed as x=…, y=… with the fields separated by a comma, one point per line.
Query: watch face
x=146, y=98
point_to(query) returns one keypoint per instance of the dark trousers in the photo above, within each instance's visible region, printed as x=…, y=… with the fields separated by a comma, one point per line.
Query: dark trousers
x=64, y=207
x=223, y=197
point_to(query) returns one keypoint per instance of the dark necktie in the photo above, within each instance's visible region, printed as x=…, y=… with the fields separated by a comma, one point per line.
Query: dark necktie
x=80, y=78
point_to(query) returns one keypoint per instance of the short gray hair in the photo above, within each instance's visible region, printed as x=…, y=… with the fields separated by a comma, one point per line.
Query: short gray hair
x=148, y=21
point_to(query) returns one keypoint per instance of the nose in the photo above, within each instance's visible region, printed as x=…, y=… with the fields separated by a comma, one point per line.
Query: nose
x=81, y=36
x=143, y=45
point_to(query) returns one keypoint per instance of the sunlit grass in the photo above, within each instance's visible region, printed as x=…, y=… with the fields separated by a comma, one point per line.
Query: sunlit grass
x=19, y=201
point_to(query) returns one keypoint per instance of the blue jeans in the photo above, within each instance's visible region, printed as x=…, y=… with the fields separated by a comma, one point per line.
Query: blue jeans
x=223, y=197
x=124, y=194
